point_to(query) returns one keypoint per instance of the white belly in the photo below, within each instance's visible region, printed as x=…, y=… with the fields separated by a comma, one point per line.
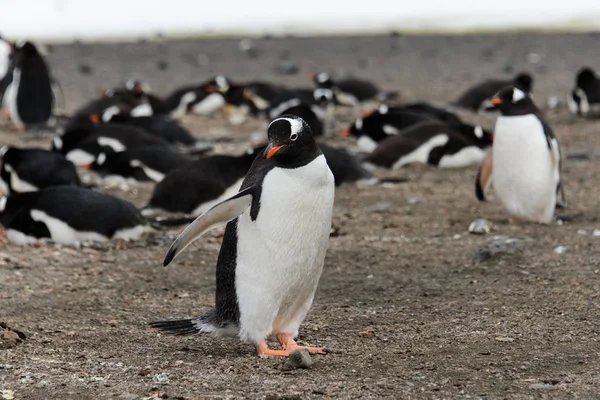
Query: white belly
x=280, y=255
x=209, y=104
x=523, y=170
x=10, y=97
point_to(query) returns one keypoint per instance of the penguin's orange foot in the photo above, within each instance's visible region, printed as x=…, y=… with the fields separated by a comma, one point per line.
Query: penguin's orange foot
x=5, y=114
x=288, y=343
x=265, y=351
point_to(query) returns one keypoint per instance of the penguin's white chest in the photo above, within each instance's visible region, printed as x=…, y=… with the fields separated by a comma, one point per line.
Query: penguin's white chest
x=280, y=255
x=523, y=169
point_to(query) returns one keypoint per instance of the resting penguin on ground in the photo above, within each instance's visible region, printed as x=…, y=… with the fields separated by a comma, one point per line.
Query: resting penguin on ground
x=29, y=170
x=429, y=110
x=28, y=98
x=475, y=97
x=584, y=99
x=526, y=160
x=69, y=214
x=274, y=245
x=373, y=127
x=433, y=143
x=202, y=99
x=143, y=164
x=196, y=187
x=84, y=141
x=351, y=92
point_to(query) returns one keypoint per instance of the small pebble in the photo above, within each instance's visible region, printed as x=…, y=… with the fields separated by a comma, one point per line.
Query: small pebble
x=554, y=103
x=161, y=379
x=540, y=386
x=596, y=232
x=379, y=206
x=480, y=227
x=560, y=249
x=287, y=67
x=534, y=58
x=298, y=359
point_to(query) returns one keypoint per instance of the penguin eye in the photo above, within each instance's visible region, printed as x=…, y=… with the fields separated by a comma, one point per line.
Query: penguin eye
x=293, y=137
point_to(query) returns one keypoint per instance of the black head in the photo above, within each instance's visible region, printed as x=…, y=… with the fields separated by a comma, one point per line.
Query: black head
x=24, y=50
x=524, y=81
x=291, y=142
x=511, y=101
x=586, y=77
x=477, y=134
x=323, y=97
x=322, y=80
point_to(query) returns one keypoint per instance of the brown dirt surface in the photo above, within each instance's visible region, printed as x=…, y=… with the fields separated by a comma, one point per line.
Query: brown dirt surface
x=406, y=304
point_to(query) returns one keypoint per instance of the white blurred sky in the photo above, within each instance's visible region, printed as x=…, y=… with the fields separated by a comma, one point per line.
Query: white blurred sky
x=64, y=19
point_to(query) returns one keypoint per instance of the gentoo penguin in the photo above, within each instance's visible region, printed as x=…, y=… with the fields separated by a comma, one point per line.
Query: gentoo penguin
x=474, y=98
x=345, y=167
x=202, y=99
x=29, y=170
x=160, y=125
x=584, y=99
x=28, y=97
x=373, y=127
x=83, y=141
x=198, y=186
x=69, y=215
x=143, y=164
x=274, y=245
x=142, y=91
x=433, y=143
x=526, y=160
x=351, y=92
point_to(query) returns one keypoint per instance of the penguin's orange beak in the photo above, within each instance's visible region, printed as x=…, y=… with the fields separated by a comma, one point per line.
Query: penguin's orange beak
x=312, y=75
x=274, y=151
x=496, y=101
x=95, y=119
x=87, y=166
x=210, y=89
x=345, y=132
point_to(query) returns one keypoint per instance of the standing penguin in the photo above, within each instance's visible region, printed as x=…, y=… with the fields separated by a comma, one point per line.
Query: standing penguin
x=584, y=99
x=274, y=244
x=28, y=98
x=526, y=161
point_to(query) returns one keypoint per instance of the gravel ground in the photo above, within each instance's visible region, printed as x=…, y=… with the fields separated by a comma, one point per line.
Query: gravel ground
x=411, y=304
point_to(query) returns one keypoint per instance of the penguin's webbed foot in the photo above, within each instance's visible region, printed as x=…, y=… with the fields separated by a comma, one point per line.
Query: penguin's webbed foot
x=264, y=351
x=288, y=343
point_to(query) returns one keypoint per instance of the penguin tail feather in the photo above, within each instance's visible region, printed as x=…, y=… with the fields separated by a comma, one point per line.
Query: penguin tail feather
x=202, y=324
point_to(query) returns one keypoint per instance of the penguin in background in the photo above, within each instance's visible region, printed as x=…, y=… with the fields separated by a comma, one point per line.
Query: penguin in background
x=351, y=92
x=475, y=97
x=274, y=245
x=584, y=99
x=29, y=97
x=199, y=185
x=29, y=170
x=201, y=99
x=525, y=163
x=69, y=215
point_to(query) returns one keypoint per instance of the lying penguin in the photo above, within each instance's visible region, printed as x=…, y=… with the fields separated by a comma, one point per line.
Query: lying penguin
x=29, y=170
x=143, y=164
x=69, y=215
x=475, y=97
x=274, y=245
x=199, y=185
x=433, y=143
x=525, y=167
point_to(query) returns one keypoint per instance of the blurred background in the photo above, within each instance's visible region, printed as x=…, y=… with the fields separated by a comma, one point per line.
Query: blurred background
x=68, y=19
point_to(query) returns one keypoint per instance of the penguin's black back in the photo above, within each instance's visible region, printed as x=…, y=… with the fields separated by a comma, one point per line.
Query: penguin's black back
x=41, y=168
x=81, y=209
x=159, y=158
x=344, y=166
x=429, y=110
x=373, y=125
x=361, y=89
x=161, y=126
x=34, y=96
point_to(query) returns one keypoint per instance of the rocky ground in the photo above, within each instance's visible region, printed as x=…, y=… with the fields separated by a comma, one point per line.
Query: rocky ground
x=412, y=305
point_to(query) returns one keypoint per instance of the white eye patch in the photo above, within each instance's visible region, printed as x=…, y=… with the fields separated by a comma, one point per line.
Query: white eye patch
x=518, y=95
x=383, y=109
x=479, y=131
x=295, y=126
x=322, y=77
x=358, y=123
